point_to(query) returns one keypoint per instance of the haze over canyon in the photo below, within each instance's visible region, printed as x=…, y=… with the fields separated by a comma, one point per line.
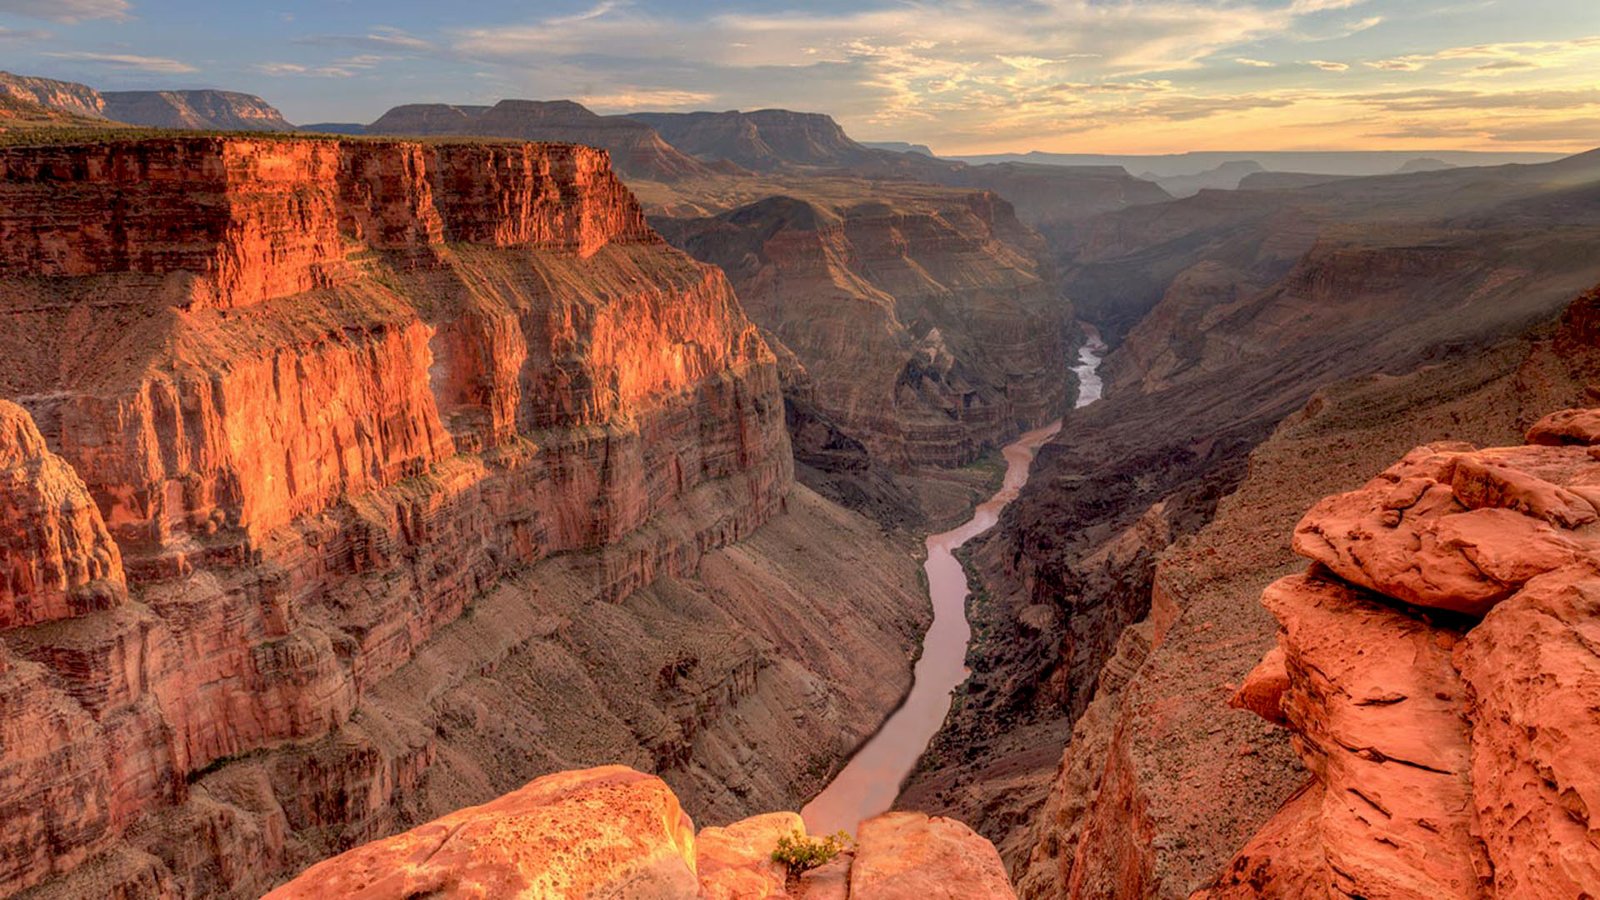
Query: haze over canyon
x=1037, y=450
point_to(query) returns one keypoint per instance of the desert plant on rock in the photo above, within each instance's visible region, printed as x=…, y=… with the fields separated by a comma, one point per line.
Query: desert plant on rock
x=800, y=854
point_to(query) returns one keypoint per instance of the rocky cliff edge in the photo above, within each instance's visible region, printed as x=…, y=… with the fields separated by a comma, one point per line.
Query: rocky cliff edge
x=1438, y=668
x=614, y=832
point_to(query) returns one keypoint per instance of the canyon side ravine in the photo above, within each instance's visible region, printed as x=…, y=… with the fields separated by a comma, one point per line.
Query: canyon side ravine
x=870, y=782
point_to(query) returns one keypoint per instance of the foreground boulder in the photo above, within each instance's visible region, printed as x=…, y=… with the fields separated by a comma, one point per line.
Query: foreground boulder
x=1443, y=681
x=613, y=832
x=595, y=832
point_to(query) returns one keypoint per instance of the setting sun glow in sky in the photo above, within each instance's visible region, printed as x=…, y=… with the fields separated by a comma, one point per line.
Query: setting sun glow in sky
x=962, y=77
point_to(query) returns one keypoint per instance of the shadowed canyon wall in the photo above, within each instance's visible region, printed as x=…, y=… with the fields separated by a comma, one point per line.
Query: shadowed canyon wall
x=1100, y=540
x=352, y=482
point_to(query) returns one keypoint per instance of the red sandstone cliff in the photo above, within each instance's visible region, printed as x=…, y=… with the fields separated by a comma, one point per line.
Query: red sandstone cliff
x=1161, y=782
x=1438, y=674
x=328, y=397
x=56, y=559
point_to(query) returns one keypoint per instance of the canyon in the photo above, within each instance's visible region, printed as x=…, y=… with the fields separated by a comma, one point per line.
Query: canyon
x=1095, y=746
x=377, y=509
x=350, y=483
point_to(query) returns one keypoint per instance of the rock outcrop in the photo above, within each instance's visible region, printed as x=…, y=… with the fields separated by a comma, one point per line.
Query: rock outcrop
x=204, y=110
x=56, y=558
x=306, y=410
x=199, y=110
x=922, y=324
x=636, y=149
x=1452, y=755
x=615, y=832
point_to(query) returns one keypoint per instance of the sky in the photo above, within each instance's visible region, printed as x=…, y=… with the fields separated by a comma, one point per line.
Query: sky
x=1080, y=76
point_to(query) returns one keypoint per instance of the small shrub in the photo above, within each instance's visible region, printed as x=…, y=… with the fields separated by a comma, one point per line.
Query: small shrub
x=800, y=854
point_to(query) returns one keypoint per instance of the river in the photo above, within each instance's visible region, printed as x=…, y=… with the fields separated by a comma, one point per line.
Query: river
x=869, y=783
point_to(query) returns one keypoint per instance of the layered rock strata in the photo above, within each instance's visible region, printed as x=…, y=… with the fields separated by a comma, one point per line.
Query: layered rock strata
x=921, y=326
x=1441, y=679
x=614, y=832
x=302, y=406
x=1257, y=309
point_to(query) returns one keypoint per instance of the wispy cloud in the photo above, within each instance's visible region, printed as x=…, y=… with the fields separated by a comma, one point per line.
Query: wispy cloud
x=1394, y=65
x=67, y=10
x=635, y=99
x=1256, y=63
x=381, y=38
x=1327, y=65
x=156, y=64
x=343, y=68
x=22, y=34
x=1503, y=56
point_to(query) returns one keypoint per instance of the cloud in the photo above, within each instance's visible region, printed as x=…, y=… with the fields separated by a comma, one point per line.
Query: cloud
x=1501, y=66
x=67, y=10
x=156, y=64
x=1504, y=56
x=1303, y=7
x=14, y=34
x=1328, y=65
x=381, y=39
x=1560, y=132
x=1189, y=108
x=342, y=68
x=1257, y=63
x=1394, y=65
x=1442, y=99
x=989, y=68
x=630, y=100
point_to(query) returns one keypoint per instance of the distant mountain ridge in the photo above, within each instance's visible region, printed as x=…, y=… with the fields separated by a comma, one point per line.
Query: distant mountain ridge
x=188, y=109
x=636, y=149
x=900, y=147
x=199, y=109
x=65, y=96
x=1322, y=162
x=1225, y=177
x=762, y=139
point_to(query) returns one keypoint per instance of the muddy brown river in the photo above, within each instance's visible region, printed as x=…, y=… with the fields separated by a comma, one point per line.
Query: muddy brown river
x=869, y=783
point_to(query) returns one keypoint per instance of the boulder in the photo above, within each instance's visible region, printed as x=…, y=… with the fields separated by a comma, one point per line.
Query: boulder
x=913, y=856
x=604, y=832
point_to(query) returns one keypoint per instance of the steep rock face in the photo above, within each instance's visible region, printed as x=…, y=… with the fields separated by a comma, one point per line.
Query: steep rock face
x=199, y=110
x=1453, y=756
x=1121, y=807
x=1234, y=347
x=637, y=150
x=327, y=396
x=57, y=559
x=612, y=831
x=66, y=96
x=925, y=329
